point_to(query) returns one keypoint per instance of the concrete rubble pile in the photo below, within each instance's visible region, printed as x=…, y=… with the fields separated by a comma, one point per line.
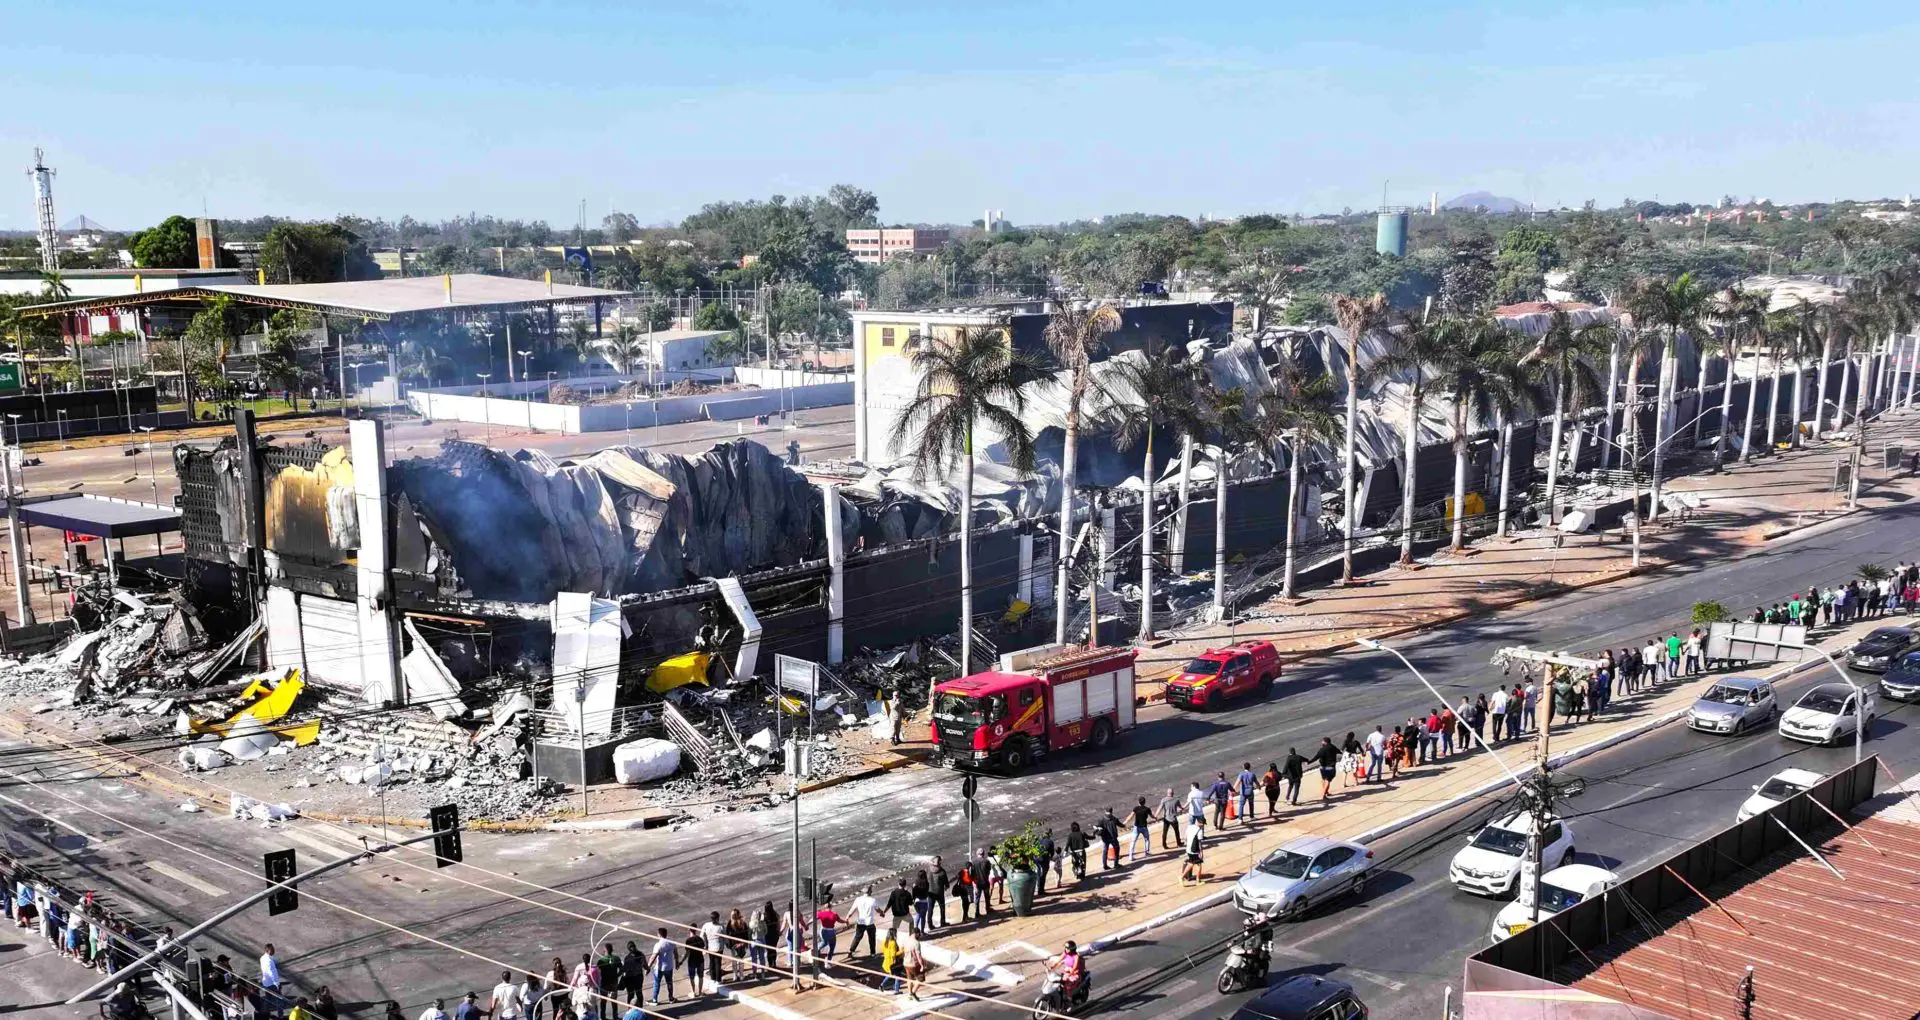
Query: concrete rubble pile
x=151, y=648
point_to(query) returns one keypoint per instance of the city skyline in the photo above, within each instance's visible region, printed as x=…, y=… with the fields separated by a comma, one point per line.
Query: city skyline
x=1054, y=113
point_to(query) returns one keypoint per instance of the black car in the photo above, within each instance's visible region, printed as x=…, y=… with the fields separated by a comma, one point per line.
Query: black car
x=1877, y=652
x=1305, y=997
x=1902, y=682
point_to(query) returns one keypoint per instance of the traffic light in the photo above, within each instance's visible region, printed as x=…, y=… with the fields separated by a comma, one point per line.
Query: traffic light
x=445, y=820
x=280, y=868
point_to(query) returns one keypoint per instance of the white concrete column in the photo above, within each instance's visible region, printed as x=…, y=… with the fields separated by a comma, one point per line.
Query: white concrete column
x=379, y=632
x=860, y=369
x=1107, y=570
x=837, y=576
x=1177, y=544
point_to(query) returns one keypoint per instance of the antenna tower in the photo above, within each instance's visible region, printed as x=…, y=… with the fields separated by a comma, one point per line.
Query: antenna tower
x=42, y=175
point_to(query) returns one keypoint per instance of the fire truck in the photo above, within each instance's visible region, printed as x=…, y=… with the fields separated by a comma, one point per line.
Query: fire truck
x=1035, y=702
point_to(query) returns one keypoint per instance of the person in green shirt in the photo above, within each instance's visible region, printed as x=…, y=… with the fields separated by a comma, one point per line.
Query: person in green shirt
x=1673, y=655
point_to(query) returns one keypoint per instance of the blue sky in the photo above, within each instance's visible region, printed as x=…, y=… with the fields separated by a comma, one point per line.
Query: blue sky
x=1050, y=111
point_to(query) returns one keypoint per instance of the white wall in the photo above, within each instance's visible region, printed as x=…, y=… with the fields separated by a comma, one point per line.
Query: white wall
x=573, y=419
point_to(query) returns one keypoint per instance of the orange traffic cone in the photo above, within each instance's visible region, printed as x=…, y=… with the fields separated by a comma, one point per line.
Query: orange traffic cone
x=1232, y=810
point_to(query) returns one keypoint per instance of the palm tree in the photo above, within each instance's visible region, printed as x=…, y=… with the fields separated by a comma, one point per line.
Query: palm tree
x=1241, y=424
x=1796, y=342
x=1141, y=394
x=1479, y=372
x=1356, y=317
x=1411, y=347
x=1301, y=405
x=1671, y=306
x=1073, y=335
x=971, y=379
x=1894, y=296
x=1566, y=355
x=627, y=345
x=1743, y=313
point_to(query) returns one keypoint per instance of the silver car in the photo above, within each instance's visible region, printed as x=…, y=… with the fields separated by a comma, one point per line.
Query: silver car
x=1733, y=705
x=1302, y=874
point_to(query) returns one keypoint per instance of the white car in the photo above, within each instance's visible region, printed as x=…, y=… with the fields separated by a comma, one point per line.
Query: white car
x=1784, y=786
x=1826, y=714
x=1490, y=862
x=1559, y=889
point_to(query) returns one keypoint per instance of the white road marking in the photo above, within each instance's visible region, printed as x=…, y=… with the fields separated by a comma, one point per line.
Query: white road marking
x=332, y=849
x=185, y=879
x=1293, y=726
x=1297, y=953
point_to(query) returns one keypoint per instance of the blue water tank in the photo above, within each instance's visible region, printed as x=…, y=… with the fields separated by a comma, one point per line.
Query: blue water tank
x=1390, y=237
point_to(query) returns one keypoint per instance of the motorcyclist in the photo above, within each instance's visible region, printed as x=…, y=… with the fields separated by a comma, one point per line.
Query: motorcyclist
x=1070, y=970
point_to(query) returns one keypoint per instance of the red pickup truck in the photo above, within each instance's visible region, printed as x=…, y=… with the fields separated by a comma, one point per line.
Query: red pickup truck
x=1220, y=674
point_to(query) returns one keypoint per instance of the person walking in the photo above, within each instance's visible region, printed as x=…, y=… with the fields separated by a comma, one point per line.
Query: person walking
x=1270, y=785
x=504, y=1002
x=923, y=897
x=1169, y=812
x=270, y=980
x=608, y=966
x=765, y=925
x=900, y=904
x=1692, y=649
x=1108, y=829
x=982, y=872
x=890, y=961
x=713, y=934
x=1497, y=711
x=1244, y=784
x=1142, y=834
x=1220, y=795
x=1479, y=720
x=1077, y=844
x=940, y=884
x=1395, y=746
x=1049, y=857
x=1449, y=723
x=913, y=963
x=865, y=907
x=696, y=953
x=997, y=871
x=1673, y=656
x=633, y=972
x=1193, y=863
x=827, y=941
x=1292, y=772
x=1654, y=657
x=1327, y=758
x=1376, y=755
x=1430, y=737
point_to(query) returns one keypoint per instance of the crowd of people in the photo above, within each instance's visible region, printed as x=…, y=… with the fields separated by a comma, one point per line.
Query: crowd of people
x=1895, y=590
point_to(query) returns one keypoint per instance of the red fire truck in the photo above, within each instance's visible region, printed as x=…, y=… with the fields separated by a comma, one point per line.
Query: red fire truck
x=1036, y=702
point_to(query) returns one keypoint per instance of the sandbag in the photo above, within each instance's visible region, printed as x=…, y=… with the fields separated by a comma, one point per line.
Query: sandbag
x=645, y=760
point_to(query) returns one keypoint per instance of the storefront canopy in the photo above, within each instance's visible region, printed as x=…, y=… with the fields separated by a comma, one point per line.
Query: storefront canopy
x=100, y=516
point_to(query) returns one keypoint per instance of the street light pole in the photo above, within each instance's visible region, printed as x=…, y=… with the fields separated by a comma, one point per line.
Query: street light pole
x=485, y=412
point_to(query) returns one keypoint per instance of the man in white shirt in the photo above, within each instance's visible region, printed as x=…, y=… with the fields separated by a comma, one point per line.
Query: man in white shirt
x=1376, y=755
x=1654, y=659
x=1693, y=651
x=1529, y=700
x=716, y=954
x=665, y=957
x=269, y=972
x=437, y=1011
x=1497, y=707
x=505, y=1003
x=864, y=909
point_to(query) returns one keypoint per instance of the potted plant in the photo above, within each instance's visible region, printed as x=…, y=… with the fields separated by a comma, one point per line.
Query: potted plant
x=1021, y=854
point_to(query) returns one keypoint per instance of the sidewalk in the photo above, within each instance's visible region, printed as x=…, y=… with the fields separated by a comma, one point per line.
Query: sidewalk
x=990, y=959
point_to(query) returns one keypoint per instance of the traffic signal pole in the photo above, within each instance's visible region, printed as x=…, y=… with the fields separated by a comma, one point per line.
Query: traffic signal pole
x=246, y=901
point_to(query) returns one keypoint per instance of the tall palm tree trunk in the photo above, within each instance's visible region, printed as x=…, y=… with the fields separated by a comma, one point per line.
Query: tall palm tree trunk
x=1146, y=544
x=1753, y=402
x=1607, y=452
x=1820, y=398
x=1700, y=399
x=1663, y=397
x=1630, y=417
x=1913, y=369
x=1553, y=448
x=1506, y=458
x=1177, y=541
x=1846, y=379
x=1860, y=387
x=1408, y=476
x=1773, y=399
x=1459, y=476
x=1065, y=536
x=1220, y=533
x=1293, y=514
x=1726, y=404
x=1350, y=486
x=1799, y=404
x=966, y=563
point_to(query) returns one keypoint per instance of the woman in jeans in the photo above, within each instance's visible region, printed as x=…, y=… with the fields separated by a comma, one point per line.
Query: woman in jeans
x=738, y=936
x=766, y=925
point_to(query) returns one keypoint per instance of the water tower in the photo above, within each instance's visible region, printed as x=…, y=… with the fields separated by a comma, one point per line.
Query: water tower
x=1390, y=235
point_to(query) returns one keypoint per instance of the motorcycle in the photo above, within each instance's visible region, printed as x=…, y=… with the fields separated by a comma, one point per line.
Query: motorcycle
x=1054, y=998
x=1248, y=958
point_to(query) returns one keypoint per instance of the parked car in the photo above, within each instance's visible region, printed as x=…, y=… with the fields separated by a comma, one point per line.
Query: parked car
x=1782, y=786
x=1878, y=651
x=1902, y=682
x=1216, y=675
x=1827, y=715
x=1305, y=997
x=1733, y=705
x=1302, y=874
x=1560, y=889
x=1490, y=862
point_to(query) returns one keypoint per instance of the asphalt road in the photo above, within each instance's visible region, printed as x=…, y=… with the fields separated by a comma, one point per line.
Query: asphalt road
x=1404, y=941
x=879, y=828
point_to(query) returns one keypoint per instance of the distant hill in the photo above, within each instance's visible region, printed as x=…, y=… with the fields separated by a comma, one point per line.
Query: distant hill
x=1487, y=200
